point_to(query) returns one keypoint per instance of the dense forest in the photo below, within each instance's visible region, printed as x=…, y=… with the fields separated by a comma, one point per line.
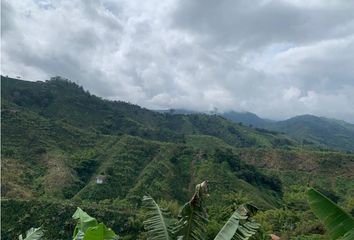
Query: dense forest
x=64, y=148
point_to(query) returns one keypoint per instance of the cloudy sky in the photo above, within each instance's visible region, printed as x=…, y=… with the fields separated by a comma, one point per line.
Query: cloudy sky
x=276, y=58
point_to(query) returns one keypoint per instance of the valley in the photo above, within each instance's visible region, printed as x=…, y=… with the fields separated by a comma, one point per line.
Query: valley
x=58, y=139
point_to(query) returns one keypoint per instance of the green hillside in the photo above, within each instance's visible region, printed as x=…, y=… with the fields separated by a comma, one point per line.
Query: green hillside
x=57, y=139
x=247, y=118
x=327, y=133
x=62, y=100
x=307, y=129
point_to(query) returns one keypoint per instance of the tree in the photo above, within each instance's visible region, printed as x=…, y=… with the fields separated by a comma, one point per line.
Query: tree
x=193, y=218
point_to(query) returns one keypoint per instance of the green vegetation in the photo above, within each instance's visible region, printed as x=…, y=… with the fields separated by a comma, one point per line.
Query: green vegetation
x=32, y=234
x=309, y=130
x=55, y=217
x=87, y=228
x=63, y=147
x=193, y=219
x=340, y=224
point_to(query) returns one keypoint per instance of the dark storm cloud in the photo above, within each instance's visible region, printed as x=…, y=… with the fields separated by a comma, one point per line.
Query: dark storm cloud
x=275, y=58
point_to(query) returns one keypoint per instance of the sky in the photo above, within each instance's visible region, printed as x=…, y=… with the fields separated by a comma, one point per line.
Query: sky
x=275, y=58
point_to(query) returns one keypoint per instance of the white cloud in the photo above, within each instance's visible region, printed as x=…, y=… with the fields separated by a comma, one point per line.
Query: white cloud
x=291, y=93
x=275, y=58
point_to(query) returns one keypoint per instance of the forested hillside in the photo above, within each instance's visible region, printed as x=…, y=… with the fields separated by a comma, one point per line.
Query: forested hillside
x=324, y=132
x=307, y=129
x=64, y=147
x=320, y=132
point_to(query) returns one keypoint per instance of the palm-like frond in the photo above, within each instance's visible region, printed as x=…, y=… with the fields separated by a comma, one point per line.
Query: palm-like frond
x=158, y=223
x=230, y=227
x=238, y=226
x=338, y=223
x=33, y=234
x=246, y=230
x=192, y=223
x=349, y=235
x=193, y=217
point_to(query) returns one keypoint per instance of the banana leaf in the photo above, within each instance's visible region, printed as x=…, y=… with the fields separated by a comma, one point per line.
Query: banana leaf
x=99, y=232
x=33, y=234
x=158, y=223
x=338, y=223
x=238, y=226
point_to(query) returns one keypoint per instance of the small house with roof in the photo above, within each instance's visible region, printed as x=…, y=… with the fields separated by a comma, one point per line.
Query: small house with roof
x=100, y=179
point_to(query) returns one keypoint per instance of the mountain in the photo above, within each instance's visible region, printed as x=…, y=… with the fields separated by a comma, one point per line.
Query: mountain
x=58, y=140
x=308, y=129
x=324, y=132
x=56, y=124
x=60, y=100
x=247, y=118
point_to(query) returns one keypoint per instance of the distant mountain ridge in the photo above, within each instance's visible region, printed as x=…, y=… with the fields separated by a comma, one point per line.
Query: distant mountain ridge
x=322, y=131
x=247, y=118
x=308, y=129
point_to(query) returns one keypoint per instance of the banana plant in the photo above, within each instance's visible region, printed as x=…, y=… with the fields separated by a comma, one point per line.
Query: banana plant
x=193, y=219
x=158, y=224
x=339, y=224
x=238, y=225
x=87, y=228
x=32, y=234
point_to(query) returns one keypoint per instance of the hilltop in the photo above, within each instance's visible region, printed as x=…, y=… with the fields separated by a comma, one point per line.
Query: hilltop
x=57, y=139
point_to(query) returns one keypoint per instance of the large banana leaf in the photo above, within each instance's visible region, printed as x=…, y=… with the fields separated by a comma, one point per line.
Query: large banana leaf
x=84, y=221
x=192, y=223
x=246, y=230
x=230, y=227
x=33, y=234
x=87, y=228
x=193, y=217
x=157, y=224
x=238, y=226
x=99, y=232
x=337, y=222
